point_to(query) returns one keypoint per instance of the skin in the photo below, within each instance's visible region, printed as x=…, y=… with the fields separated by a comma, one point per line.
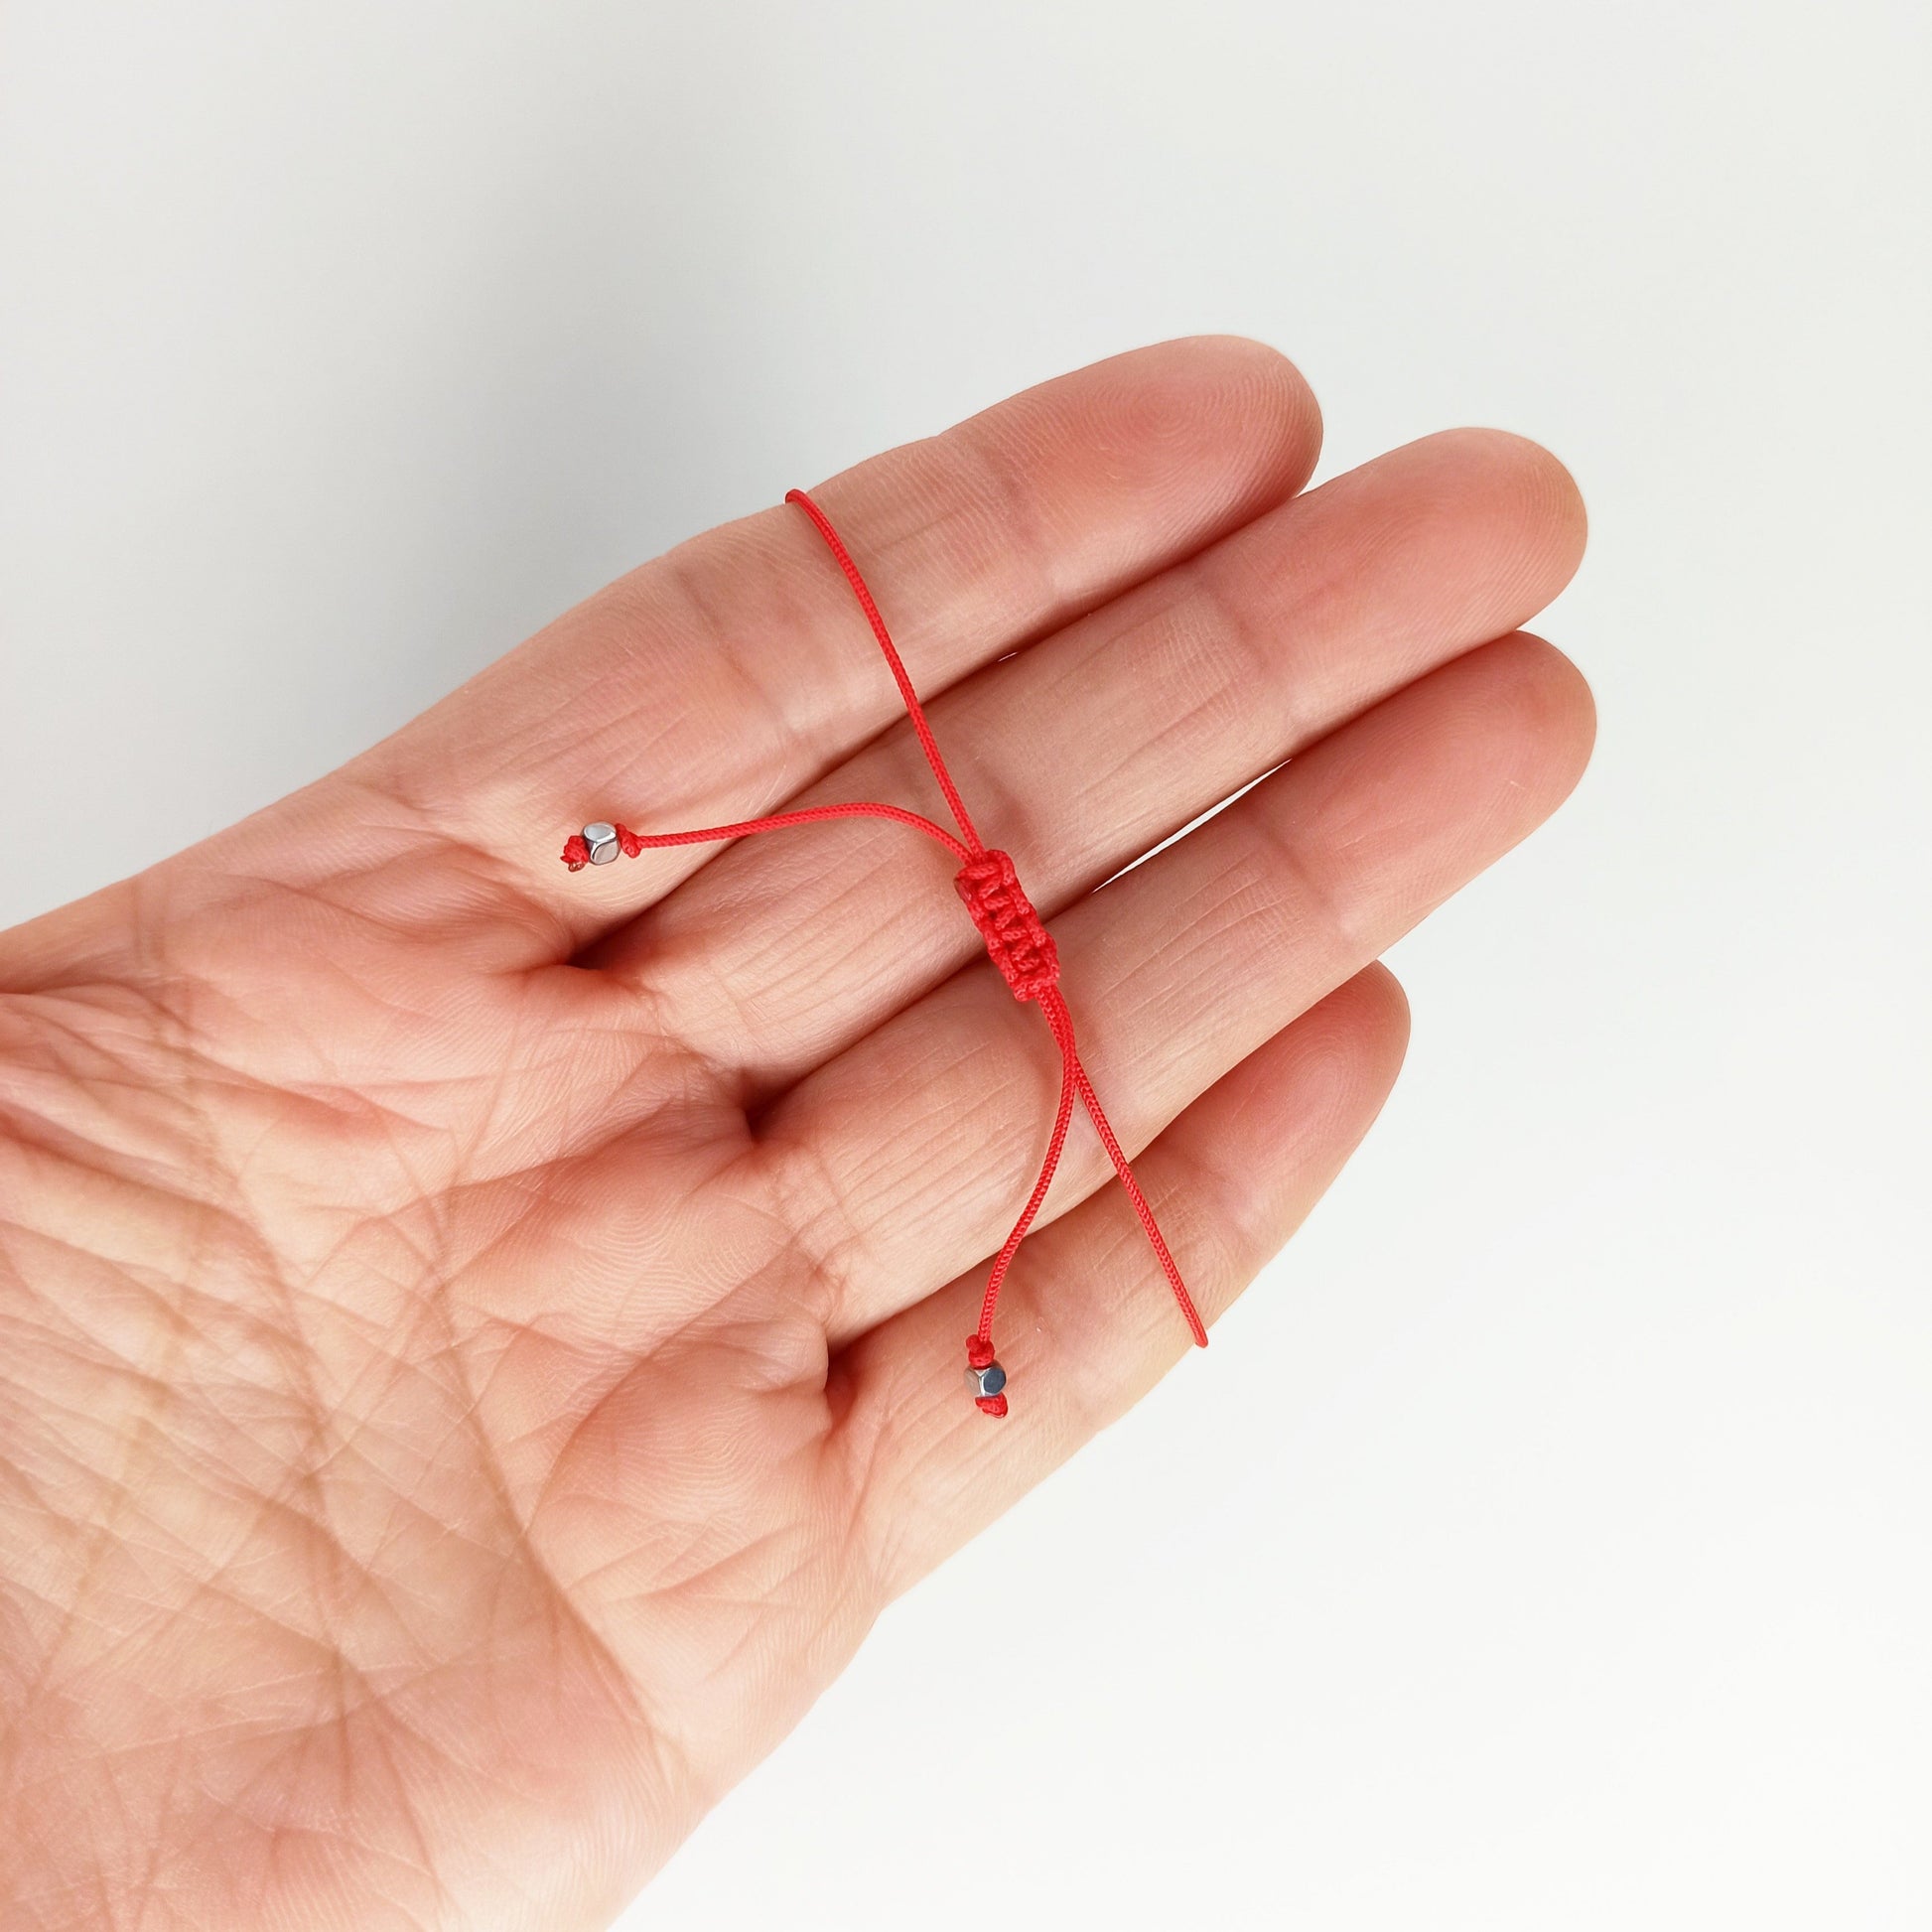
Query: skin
x=480, y=1345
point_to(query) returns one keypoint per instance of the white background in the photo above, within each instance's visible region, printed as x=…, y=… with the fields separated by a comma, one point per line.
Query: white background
x=1546, y=1544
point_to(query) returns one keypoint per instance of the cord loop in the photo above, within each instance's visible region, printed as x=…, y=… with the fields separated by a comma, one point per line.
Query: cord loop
x=1016, y=941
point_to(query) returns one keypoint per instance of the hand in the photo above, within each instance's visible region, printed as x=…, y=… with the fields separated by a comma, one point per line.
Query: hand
x=479, y=1344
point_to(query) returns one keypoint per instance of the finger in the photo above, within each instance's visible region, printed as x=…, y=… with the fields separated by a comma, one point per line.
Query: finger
x=905, y=1160
x=713, y=682
x=1086, y=750
x=1088, y=1327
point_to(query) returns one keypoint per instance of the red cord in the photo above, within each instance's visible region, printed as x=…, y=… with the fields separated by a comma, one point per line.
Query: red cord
x=1016, y=941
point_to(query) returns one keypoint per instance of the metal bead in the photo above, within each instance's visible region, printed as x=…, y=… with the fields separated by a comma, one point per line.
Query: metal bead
x=603, y=842
x=989, y=1380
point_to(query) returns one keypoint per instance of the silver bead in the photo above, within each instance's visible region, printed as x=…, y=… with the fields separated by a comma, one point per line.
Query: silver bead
x=603, y=842
x=989, y=1380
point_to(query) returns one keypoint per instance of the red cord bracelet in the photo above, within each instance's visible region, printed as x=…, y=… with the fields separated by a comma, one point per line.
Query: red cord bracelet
x=1015, y=940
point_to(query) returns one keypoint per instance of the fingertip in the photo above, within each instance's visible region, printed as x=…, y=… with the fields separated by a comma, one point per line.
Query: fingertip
x=1556, y=710
x=1517, y=497
x=1277, y=394
x=1382, y=1001
x=1220, y=412
x=1362, y=1027
x=1553, y=505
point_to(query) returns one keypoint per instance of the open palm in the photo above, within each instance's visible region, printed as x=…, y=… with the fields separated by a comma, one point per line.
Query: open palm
x=479, y=1344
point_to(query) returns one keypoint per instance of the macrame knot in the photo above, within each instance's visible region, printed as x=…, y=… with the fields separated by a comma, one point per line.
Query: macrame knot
x=1015, y=940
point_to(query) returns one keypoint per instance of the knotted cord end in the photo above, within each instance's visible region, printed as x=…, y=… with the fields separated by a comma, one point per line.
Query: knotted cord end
x=984, y=1377
x=598, y=843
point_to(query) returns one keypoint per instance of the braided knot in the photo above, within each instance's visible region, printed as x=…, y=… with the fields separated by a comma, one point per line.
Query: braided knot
x=1015, y=940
